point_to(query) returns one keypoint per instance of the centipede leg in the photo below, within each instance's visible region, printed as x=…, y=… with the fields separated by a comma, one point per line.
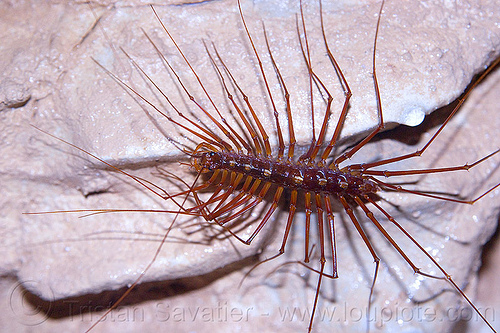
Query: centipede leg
x=308, y=204
x=249, y=206
x=446, y=276
x=380, y=125
x=268, y=215
x=219, y=209
x=228, y=190
x=201, y=205
x=291, y=213
x=331, y=230
x=348, y=209
x=243, y=197
x=419, y=152
x=322, y=259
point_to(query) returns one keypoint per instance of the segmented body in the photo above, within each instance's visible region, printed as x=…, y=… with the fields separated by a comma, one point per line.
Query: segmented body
x=293, y=176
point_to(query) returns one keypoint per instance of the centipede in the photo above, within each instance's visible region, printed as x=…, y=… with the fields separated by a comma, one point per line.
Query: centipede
x=253, y=208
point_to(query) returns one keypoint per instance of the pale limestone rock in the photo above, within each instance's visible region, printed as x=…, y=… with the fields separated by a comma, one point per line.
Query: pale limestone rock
x=426, y=56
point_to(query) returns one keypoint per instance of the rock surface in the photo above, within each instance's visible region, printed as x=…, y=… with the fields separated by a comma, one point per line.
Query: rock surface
x=426, y=56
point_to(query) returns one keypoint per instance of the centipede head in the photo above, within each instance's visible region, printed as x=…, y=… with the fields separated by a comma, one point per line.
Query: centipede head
x=201, y=156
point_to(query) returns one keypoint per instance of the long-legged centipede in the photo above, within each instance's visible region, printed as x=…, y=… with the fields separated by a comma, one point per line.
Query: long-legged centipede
x=203, y=206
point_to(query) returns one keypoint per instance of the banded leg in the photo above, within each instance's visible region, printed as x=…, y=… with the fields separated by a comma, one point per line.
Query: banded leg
x=244, y=189
x=200, y=204
x=348, y=209
x=252, y=204
x=268, y=215
x=228, y=190
x=348, y=154
x=398, y=188
x=446, y=276
x=240, y=199
x=308, y=204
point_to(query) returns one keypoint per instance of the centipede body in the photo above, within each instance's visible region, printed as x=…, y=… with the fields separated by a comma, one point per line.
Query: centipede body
x=372, y=31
